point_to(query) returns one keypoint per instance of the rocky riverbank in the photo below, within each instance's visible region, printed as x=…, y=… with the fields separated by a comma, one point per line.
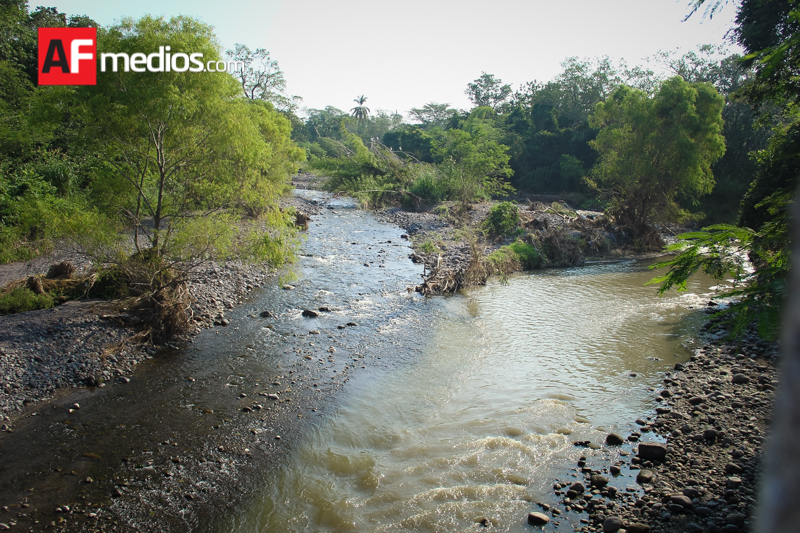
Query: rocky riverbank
x=692, y=466
x=87, y=343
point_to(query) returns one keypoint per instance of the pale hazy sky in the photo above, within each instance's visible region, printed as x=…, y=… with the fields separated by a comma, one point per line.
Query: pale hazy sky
x=405, y=53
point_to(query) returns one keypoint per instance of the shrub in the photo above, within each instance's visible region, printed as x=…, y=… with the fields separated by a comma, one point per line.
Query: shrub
x=502, y=219
x=516, y=255
x=23, y=299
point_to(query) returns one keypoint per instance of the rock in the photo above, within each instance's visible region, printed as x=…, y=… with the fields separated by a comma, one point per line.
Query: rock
x=733, y=483
x=613, y=439
x=577, y=487
x=652, y=451
x=691, y=527
x=308, y=313
x=637, y=528
x=735, y=518
x=740, y=379
x=732, y=468
x=645, y=476
x=599, y=481
x=538, y=519
x=696, y=400
x=612, y=524
x=266, y=314
x=681, y=500
x=615, y=470
x=288, y=287
x=710, y=434
x=691, y=493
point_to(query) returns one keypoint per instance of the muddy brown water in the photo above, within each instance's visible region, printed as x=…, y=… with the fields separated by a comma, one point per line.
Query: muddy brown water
x=426, y=415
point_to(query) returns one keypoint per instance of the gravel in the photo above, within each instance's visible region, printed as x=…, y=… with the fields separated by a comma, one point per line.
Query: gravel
x=714, y=426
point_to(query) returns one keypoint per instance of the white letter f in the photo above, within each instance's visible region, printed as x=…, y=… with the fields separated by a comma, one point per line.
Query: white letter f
x=76, y=55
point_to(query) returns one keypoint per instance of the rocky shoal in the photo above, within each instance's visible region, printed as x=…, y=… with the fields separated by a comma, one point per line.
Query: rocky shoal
x=693, y=465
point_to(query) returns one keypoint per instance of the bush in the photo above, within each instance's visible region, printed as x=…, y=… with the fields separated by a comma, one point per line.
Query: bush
x=23, y=299
x=502, y=219
x=516, y=255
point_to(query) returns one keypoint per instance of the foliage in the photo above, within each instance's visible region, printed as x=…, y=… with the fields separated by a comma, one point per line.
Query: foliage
x=503, y=218
x=488, y=91
x=734, y=171
x=261, y=78
x=722, y=251
x=184, y=151
x=434, y=115
x=361, y=112
x=22, y=299
x=516, y=255
x=653, y=149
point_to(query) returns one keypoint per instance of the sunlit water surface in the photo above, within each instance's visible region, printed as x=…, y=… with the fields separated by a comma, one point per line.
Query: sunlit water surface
x=483, y=419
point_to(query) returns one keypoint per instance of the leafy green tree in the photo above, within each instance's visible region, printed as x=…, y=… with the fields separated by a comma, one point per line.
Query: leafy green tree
x=434, y=115
x=653, y=149
x=744, y=134
x=488, y=91
x=183, y=152
x=261, y=78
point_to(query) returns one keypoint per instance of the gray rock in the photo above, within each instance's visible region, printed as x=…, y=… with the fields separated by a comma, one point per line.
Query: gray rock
x=308, y=313
x=613, y=439
x=266, y=314
x=710, y=434
x=538, y=519
x=645, y=476
x=577, y=487
x=599, y=481
x=732, y=468
x=652, y=451
x=638, y=528
x=681, y=500
x=733, y=483
x=740, y=379
x=691, y=527
x=612, y=524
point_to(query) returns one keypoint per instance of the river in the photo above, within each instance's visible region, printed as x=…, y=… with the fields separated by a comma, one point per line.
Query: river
x=396, y=412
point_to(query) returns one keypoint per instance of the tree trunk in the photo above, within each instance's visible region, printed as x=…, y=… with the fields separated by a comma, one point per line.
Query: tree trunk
x=780, y=486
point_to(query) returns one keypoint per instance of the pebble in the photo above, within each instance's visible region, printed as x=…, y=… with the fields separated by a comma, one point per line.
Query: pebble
x=538, y=519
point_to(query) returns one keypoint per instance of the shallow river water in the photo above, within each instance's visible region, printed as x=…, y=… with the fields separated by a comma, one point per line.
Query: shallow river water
x=420, y=415
x=481, y=418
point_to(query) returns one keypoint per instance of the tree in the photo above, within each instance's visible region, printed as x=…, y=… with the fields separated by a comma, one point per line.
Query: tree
x=261, y=78
x=488, y=91
x=433, y=115
x=653, y=149
x=183, y=153
x=361, y=112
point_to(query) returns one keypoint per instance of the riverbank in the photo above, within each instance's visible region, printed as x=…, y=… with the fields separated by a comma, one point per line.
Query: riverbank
x=85, y=342
x=694, y=464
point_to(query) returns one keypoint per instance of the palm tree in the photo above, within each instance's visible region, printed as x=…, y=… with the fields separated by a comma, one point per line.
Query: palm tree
x=361, y=112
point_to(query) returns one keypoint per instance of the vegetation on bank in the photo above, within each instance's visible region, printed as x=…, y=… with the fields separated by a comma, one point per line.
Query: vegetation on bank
x=149, y=173
x=193, y=166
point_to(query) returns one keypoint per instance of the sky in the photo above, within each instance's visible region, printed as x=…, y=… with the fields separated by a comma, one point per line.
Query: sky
x=406, y=53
